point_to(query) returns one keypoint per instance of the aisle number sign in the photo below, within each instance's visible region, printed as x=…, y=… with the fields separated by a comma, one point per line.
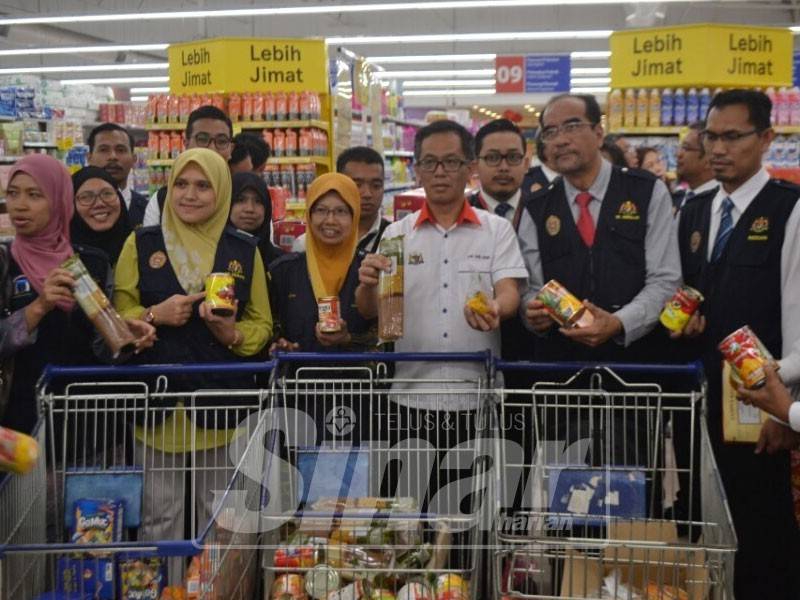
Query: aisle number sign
x=532, y=73
x=701, y=55
x=248, y=65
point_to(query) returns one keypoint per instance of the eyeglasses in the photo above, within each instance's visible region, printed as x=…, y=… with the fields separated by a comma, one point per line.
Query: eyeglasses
x=493, y=159
x=89, y=198
x=550, y=133
x=221, y=141
x=340, y=213
x=687, y=148
x=450, y=164
x=727, y=137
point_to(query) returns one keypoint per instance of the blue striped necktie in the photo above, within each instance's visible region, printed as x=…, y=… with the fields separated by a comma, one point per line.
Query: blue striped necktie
x=725, y=230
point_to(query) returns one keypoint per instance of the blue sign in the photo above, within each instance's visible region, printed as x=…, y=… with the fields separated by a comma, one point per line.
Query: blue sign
x=547, y=73
x=796, y=70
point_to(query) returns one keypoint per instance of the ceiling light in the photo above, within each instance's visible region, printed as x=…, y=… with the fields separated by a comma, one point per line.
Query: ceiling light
x=480, y=92
x=149, y=90
x=110, y=80
x=85, y=49
x=462, y=74
x=86, y=68
x=432, y=58
x=449, y=83
x=590, y=71
x=590, y=55
x=497, y=36
x=591, y=90
x=576, y=81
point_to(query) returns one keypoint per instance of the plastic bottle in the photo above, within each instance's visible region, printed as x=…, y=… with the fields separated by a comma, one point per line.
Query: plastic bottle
x=667, y=105
x=642, y=107
x=792, y=152
x=705, y=100
x=679, y=110
x=773, y=97
x=692, y=106
x=655, y=108
x=629, y=116
x=782, y=107
x=794, y=106
x=615, y=110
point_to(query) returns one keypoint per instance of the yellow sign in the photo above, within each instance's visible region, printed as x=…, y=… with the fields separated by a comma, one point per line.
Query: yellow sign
x=703, y=56
x=248, y=65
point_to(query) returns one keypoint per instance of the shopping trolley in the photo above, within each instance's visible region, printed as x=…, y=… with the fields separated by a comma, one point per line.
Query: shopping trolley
x=377, y=482
x=172, y=457
x=609, y=487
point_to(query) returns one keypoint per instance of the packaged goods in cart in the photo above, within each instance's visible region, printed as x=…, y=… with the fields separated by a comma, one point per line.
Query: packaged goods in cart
x=329, y=314
x=680, y=308
x=220, y=294
x=173, y=592
x=98, y=309
x=391, y=290
x=288, y=586
x=665, y=592
x=296, y=557
x=564, y=308
x=451, y=587
x=97, y=521
x=415, y=590
x=358, y=590
x=141, y=578
x=747, y=357
x=321, y=581
x=381, y=594
x=18, y=452
x=80, y=578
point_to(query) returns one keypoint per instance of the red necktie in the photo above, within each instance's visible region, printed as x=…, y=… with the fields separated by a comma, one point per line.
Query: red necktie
x=585, y=220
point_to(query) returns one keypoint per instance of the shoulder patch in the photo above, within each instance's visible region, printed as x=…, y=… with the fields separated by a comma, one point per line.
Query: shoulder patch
x=242, y=235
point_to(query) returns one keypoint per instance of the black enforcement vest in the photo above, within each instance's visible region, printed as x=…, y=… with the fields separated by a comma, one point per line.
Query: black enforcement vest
x=610, y=273
x=137, y=209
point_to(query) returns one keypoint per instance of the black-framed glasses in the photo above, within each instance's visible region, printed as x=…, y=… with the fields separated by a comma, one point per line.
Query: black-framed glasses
x=493, y=159
x=727, y=137
x=451, y=164
x=221, y=141
x=89, y=198
x=339, y=213
x=550, y=133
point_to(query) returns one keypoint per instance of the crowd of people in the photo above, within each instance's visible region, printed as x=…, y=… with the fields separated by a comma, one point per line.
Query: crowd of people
x=585, y=215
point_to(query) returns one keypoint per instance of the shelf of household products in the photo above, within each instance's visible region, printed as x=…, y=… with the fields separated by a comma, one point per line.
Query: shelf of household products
x=283, y=160
x=389, y=119
x=656, y=131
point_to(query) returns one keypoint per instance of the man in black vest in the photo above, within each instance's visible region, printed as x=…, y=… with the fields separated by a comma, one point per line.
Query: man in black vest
x=111, y=148
x=607, y=234
x=694, y=167
x=541, y=175
x=739, y=247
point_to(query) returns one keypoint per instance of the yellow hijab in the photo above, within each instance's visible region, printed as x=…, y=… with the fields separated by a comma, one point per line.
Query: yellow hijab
x=192, y=248
x=328, y=265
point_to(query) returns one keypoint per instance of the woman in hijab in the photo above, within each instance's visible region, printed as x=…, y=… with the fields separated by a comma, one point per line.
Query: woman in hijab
x=45, y=324
x=328, y=267
x=101, y=218
x=251, y=211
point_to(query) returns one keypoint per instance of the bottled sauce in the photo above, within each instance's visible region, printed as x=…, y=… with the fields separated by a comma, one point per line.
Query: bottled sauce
x=629, y=116
x=642, y=108
x=666, y=108
x=679, y=108
x=615, y=110
x=654, y=117
x=692, y=106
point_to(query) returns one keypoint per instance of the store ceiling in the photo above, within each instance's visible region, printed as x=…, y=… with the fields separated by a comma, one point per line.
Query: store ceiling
x=558, y=16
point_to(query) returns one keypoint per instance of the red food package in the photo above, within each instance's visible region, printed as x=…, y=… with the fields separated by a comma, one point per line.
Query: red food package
x=185, y=108
x=235, y=107
x=247, y=107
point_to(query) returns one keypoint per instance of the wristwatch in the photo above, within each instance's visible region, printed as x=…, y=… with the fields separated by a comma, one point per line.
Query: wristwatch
x=149, y=317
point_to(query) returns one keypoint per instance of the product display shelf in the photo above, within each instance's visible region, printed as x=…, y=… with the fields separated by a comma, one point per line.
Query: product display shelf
x=167, y=162
x=649, y=130
x=399, y=153
x=290, y=124
x=299, y=160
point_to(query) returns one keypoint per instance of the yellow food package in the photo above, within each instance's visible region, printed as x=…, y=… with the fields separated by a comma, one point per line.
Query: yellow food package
x=479, y=303
x=18, y=452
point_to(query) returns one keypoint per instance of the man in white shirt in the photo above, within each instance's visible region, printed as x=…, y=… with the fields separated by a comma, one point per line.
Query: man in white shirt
x=694, y=167
x=740, y=248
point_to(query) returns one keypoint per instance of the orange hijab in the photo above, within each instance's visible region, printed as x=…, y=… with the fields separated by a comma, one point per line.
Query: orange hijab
x=328, y=265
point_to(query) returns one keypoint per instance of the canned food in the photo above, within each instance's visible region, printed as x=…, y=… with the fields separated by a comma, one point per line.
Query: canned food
x=295, y=557
x=681, y=307
x=220, y=293
x=290, y=584
x=415, y=591
x=321, y=581
x=564, y=308
x=329, y=314
x=445, y=583
x=747, y=357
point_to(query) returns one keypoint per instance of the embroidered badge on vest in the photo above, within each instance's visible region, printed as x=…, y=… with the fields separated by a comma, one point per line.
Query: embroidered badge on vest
x=695, y=241
x=759, y=230
x=628, y=211
x=536, y=187
x=235, y=269
x=157, y=259
x=553, y=225
x=21, y=285
x=415, y=258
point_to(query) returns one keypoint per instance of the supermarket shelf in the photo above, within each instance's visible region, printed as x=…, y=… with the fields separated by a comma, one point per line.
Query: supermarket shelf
x=295, y=206
x=787, y=129
x=649, y=130
x=165, y=127
x=167, y=162
x=299, y=160
x=417, y=124
x=400, y=153
x=294, y=124
x=9, y=159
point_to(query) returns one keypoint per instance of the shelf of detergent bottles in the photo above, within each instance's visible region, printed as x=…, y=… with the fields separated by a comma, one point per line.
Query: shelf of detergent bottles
x=281, y=160
x=239, y=125
x=780, y=129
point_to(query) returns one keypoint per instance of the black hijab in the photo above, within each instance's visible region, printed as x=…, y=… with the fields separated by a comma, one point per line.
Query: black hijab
x=251, y=181
x=110, y=241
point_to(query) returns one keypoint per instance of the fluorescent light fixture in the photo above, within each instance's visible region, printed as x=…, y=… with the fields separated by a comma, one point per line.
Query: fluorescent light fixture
x=86, y=68
x=590, y=71
x=579, y=81
x=425, y=58
x=460, y=74
x=138, y=98
x=590, y=55
x=475, y=92
x=149, y=90
x=795, y=29
x=85, y=49
x=591, y=90
x=111, y=80
x=497, y=36
x=443, y=83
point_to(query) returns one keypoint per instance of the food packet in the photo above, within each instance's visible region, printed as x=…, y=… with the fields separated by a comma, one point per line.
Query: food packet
x=19, y=453
x=479, y=295
x=142, y=578
x=97, y=521
x=390, y=291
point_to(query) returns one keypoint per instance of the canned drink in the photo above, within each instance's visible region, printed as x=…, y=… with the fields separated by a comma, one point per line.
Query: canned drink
x=747, y=357
x=220, y=293
x=290, y=584
x=415, y=590
x=329, y=314
x=321, y=581
x=564, y=308
x=681, y=307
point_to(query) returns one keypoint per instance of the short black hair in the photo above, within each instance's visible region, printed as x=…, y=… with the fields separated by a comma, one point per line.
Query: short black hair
x=360, y=154
x=207, y=112
x=102, y=128
x=445, y=126
x=615, y=154
x=252, y=145
x=758, y=104
x=699, y=126
x=540, y=147
x=643, y=151
x=593, y=112
x=497, y=126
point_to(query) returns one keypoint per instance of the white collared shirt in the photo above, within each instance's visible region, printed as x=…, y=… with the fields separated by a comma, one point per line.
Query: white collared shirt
x=513, y=202
x=548, y=172
x=126, y=196
x=705, y=187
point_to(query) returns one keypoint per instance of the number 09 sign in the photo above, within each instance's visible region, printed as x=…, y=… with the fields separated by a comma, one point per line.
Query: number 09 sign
x=532, y=73
x=509, y=75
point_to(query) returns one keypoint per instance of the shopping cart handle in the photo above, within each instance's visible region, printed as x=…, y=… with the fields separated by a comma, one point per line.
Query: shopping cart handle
x=213, y=368
x=693, y=368
x=340, y=357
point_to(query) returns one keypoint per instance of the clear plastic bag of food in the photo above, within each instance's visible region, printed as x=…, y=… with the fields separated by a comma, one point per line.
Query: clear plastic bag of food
x=390, y=291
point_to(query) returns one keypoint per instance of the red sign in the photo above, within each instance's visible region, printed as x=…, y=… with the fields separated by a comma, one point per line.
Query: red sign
x=509, y=74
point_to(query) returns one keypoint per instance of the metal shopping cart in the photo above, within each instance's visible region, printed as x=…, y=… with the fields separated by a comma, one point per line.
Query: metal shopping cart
x=177, y=459
x=608, y=486
x=383, y=479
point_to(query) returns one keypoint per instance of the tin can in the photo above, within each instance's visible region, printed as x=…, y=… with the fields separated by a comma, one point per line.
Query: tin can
x=290, y=584
x=564, y=308
x=329, y=314
x=220, y=293
x=450, y=582
x=321, y=581
x=681, y=307
x=747, y=357
x=415, y=590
